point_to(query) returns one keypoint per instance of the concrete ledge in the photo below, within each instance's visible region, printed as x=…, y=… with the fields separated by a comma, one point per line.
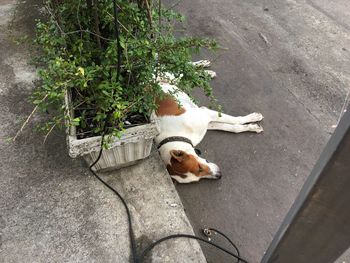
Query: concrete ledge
x=156, y=209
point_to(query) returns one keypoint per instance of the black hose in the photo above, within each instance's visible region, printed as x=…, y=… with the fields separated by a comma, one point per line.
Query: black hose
x=205, y=231
x=131, y=231
x=151, y=246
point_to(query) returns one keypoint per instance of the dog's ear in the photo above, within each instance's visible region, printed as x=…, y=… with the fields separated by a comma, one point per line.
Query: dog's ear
x=178, y=155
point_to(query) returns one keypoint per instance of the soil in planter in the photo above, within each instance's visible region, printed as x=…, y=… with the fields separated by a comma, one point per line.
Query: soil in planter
x=86, y=130
x=131, y=120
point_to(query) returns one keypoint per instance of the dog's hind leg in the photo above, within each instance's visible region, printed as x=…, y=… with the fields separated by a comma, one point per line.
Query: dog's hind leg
x=236, y=128
x=201, y=63
x=224, y=118
x=204, y=64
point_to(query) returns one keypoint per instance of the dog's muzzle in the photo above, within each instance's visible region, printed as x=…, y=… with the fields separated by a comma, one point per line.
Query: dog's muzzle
x=218, y=175
x=215, y=171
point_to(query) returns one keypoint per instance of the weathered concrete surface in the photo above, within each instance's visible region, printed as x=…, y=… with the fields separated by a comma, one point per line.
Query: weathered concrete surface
x=345, y=258
x=290, y=60
x=51, y=208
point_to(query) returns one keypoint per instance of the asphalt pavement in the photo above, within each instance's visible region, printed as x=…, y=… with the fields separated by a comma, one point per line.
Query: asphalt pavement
x=289, y=60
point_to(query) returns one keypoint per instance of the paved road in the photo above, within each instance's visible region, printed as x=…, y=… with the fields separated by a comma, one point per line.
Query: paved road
x=289, y=60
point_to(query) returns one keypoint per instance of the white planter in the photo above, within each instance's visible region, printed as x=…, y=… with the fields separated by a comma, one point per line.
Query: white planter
x=135, y=144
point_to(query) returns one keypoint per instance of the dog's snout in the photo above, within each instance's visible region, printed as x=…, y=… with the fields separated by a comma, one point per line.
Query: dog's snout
x=218, y=175
x=215, y=172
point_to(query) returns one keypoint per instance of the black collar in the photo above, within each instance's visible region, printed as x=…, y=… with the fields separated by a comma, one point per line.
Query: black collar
x=174, y=139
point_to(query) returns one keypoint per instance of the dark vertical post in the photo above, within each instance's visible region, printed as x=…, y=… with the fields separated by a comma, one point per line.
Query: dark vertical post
x=317, y=227
x=117, y=36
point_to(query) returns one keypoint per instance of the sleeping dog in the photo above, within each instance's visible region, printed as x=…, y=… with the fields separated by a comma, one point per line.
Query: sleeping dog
x=183, y=125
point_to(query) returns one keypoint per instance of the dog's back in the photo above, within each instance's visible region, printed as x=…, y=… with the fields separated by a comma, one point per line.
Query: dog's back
x=178, y=115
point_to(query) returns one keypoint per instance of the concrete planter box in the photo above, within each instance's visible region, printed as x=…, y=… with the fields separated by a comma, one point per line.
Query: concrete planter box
x=135, y=144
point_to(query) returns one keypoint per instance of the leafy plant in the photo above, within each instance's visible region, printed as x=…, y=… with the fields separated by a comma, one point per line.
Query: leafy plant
x=80, y=55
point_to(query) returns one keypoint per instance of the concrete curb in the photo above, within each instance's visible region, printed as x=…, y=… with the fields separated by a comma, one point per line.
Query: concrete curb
x=156, y=209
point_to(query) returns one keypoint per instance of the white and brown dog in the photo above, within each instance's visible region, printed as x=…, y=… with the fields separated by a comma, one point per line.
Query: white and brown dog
x=183, y=126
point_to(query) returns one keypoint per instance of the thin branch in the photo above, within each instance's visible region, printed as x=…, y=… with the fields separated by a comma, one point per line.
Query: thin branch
x=89, y=32
x=55, y=20
x=81, y=103
x=76, y=31
x=83, y=30
x=124, y=27
x=47, y=134
x=132, y=105
x=149, y=14
x=127, y=64
x=82, y=133
x=29, y=117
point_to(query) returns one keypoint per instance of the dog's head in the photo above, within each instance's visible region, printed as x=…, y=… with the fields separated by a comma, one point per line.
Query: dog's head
x=189, y=167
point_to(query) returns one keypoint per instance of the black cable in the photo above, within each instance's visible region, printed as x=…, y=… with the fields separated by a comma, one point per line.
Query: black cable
x=151, y=246
x=131, y=231
x=207, y=232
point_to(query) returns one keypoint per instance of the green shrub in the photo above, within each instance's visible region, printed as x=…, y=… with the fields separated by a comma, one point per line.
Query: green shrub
x=79, y=55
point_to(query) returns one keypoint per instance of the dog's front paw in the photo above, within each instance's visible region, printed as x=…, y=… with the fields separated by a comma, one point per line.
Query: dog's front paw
x=255, y=128
x=255, y=116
